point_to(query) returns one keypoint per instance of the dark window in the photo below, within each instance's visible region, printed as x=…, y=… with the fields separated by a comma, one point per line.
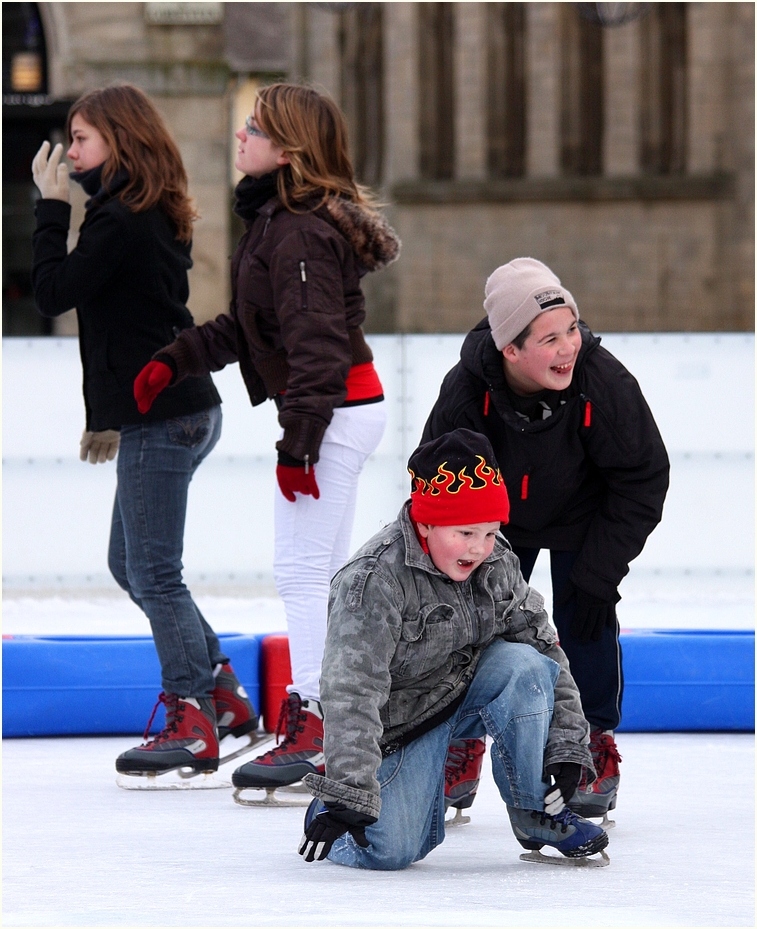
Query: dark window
x=24, y=60
x=506, y=89
x=29, y=117
x=361, y=43
x=437, y=90
x=582, y=113
x=663, y=89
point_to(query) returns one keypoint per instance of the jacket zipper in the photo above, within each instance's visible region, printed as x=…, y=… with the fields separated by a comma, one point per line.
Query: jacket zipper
x=304, y=279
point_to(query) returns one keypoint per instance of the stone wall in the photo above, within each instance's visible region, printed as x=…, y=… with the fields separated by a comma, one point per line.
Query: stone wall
x=640, y=252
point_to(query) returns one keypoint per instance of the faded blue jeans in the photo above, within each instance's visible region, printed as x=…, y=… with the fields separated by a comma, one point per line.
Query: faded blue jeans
x=510, y=699
x=156, y=462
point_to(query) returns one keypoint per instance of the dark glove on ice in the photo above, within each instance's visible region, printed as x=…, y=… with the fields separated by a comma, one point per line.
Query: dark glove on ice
x=566, y=775
x=329, y=825
x=592, y=613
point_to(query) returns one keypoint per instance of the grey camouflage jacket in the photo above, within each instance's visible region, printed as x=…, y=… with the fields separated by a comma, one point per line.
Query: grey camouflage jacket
x=402, y=646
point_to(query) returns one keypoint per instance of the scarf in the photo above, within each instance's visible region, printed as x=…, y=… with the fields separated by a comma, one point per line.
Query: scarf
x=91, y=182
x=252, y=192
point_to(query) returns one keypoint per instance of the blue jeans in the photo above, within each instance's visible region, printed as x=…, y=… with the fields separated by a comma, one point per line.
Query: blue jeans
x=156, y=461
x=597, y=667
x=511, y=699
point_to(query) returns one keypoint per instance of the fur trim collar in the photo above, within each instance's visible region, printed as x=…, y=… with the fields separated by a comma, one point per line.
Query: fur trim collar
x=374, y=241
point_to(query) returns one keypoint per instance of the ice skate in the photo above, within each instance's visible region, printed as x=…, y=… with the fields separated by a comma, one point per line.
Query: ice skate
x=279, y=772
x=598, y=798
x=462, y=772
x=575, y=838
x=237, y=720
x=183, y=754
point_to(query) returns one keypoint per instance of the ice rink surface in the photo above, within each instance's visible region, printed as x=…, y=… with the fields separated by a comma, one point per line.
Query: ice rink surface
x=79, y=851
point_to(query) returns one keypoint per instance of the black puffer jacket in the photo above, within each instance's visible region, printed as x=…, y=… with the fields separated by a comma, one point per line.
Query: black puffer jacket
x=591, y=478
x=294, y=323
x=127, y=278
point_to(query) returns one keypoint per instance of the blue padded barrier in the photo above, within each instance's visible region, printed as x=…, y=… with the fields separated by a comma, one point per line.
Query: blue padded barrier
x=688, y=680
x=675, y=680
x=82, y=685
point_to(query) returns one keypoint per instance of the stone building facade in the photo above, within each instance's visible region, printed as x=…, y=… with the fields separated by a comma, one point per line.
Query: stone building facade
x=621, y=154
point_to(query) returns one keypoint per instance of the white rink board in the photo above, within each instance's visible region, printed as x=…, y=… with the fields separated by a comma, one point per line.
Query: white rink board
x=56, y=509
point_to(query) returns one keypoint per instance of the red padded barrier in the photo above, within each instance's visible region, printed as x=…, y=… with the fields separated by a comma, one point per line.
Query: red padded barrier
x=275, y=677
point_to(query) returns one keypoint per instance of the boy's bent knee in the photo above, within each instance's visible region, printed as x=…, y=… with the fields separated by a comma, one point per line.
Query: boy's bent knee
x=379, y=856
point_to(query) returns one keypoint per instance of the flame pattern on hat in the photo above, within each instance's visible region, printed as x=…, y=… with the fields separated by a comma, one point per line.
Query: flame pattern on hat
x=448, y=482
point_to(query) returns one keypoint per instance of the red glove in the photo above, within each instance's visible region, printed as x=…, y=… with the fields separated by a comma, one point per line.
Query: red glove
x=297, y=479
x=151, y=380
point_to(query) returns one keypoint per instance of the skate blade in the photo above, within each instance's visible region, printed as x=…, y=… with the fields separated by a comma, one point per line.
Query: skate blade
x=288, y=796
x=458, y=819
x=242, y=745
x=182, y=779
x=594, y=862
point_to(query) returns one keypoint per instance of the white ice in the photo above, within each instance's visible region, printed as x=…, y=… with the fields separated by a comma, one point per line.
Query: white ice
x=79, y=851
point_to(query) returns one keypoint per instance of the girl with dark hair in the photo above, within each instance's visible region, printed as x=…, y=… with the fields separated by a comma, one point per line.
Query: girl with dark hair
x=295, y=327
x=127, y=278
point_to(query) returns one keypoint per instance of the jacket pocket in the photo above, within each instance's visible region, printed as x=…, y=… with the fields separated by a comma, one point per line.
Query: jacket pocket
x=303, y=285
x=426, y=642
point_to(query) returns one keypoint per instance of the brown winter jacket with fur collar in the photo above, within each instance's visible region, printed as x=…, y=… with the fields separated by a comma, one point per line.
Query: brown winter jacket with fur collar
x=294, y=323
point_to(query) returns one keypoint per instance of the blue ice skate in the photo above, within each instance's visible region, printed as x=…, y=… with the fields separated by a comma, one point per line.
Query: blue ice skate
x=575, y=838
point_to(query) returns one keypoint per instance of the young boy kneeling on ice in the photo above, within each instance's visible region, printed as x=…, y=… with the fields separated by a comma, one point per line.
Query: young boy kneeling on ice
x=433, y=637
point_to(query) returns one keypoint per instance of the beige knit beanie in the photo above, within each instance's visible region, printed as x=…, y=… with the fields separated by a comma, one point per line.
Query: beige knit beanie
x=518, y=292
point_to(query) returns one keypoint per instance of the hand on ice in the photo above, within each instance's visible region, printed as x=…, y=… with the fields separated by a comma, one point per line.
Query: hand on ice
x=49, y=174
x=566, y=776
x=99, y=447
x=331, y=824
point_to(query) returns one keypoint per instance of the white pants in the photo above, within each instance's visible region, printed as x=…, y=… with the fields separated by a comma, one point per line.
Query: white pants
x=313, y=537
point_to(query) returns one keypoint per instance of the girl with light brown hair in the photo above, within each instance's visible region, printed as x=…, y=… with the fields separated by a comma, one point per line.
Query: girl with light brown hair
x=295, y=327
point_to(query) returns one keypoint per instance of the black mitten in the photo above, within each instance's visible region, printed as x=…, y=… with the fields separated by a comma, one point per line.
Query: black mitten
x=329, y=825
x=591, y=615
x=566, y=776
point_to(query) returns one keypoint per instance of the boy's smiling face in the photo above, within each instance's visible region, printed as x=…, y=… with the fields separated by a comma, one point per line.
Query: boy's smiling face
x=548, y=356
x=458, y=550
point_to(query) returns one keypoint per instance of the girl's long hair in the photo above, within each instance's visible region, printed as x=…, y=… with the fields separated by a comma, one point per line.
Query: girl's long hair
x=312, y=131
x=140, y=144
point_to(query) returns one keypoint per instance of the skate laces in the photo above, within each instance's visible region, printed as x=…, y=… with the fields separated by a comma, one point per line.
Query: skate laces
x=605, y=753
x=293, y=715
x=563, y=819
x=173, y=718
x=459, y=756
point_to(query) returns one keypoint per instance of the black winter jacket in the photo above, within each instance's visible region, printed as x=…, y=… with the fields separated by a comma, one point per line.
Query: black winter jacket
x=591, y=478
x=296, y=314
x=127, y=278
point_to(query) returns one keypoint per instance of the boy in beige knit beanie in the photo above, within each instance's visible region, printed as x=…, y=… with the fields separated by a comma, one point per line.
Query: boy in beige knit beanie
x=519, y=296
x=585, y=468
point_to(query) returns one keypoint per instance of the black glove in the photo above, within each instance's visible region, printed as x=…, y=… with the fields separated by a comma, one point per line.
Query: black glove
x=591, y=615
x=329, y=825
x=566, y=775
